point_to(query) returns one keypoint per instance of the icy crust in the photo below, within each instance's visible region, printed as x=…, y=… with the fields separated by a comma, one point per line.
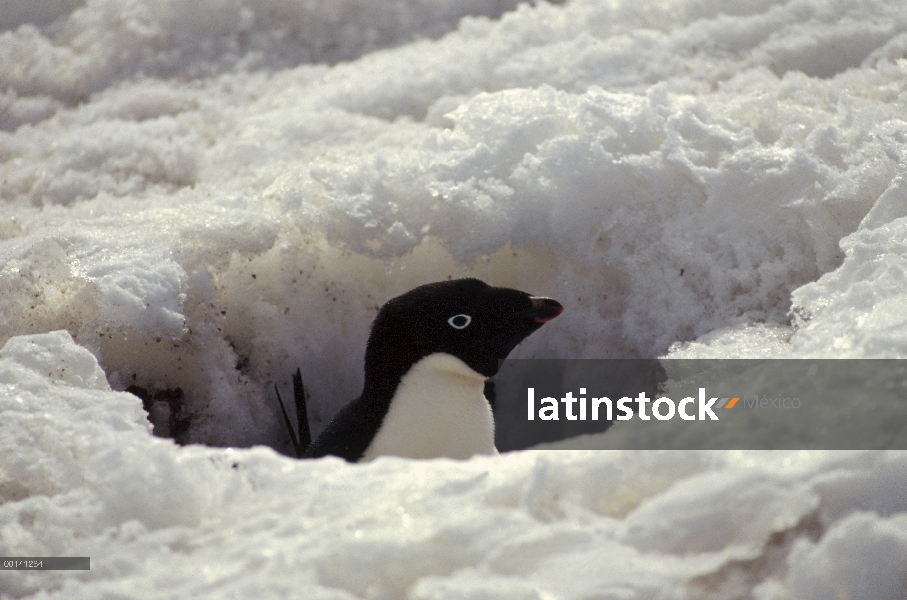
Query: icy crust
x=83, y=477
x=869, y=289
x=669, y=215
x=55, y=354
x=855, y=311
x=61, y=51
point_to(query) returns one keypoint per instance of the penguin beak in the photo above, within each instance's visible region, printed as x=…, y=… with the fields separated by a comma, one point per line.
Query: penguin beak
x=544, y=309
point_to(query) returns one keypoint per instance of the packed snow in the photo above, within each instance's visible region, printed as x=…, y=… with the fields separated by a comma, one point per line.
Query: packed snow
x=207, y=195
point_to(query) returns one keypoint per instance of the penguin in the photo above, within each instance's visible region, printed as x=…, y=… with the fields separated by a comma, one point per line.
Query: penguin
x=428, y=356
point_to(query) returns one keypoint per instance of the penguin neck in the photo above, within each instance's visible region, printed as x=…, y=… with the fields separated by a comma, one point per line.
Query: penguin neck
x=438, y=409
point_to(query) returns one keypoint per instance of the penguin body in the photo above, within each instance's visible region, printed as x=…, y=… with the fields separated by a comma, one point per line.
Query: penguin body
x=439, y=409
x=426, y=362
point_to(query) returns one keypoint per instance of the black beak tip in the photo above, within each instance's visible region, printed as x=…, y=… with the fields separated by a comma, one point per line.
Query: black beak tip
x=545, y=309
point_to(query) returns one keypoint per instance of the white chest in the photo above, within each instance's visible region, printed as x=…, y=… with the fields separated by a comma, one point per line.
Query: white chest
x=439, y=410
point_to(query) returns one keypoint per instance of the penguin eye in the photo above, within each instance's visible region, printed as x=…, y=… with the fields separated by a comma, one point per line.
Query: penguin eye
x=459, y=321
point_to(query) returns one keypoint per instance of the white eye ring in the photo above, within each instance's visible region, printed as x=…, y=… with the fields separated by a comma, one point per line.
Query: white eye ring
x=453, y=321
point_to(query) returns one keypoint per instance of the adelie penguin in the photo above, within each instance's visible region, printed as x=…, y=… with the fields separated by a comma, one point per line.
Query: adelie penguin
x=426, y=362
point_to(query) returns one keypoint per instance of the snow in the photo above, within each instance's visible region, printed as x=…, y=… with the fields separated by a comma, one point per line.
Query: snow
x=206, y=195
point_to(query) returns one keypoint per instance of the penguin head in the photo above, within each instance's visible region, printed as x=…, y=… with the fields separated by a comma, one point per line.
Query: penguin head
x=466, y=318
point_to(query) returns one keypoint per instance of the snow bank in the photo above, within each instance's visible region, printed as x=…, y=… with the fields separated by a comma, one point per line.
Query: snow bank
x=206, y=195
x=666, y=171
x=160, y=520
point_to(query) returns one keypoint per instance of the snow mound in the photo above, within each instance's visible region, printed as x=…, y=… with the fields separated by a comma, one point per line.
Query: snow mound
x=87, y=479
